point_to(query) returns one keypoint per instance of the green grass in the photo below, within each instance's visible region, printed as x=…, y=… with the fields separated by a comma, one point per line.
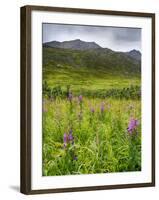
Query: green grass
x=102, y=143
x=85, y=78
x=96, y=69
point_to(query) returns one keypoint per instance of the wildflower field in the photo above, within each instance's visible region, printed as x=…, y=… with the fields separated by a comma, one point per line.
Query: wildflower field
x=91, y=117
x=91, y=136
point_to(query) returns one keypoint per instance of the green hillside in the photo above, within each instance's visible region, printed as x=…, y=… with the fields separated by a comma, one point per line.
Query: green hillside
x=97, y=69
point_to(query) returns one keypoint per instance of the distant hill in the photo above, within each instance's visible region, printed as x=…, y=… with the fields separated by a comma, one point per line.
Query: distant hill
x=82, y=45
x=80, y=54
x=134, y=54
x=73, y=44
x=86, y=66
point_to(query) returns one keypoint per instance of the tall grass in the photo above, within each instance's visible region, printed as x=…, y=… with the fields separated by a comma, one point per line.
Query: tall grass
x=83, y=135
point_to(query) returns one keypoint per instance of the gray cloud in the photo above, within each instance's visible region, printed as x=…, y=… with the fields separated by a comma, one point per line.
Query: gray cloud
x=115, y=38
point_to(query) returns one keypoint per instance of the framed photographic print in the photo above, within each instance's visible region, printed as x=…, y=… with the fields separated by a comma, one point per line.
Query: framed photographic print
x=87, y=99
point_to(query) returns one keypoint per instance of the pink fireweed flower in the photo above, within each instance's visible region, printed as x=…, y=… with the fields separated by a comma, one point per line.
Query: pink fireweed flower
x=102, y=108
x=80, y=98
x=68, y=138
x=133, y=123
x=65, y=139
x=92, y=110
x=75, y=158
x=70, y=96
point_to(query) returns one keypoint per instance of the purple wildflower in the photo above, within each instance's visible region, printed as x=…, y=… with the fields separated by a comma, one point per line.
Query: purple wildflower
x=75, y=158
x=70, y=136
x=102, y=108
x=65, y=139
x=80, y=98
x=92, y=110
x=132, y=125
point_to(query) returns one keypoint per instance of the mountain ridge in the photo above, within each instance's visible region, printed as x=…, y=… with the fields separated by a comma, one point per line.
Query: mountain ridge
x=134, y=54
x=81, y=45
x=76, y=44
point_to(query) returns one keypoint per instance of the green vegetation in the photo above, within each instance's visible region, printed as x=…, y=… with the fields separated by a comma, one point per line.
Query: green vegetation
x=99, y=70
x=91, y=112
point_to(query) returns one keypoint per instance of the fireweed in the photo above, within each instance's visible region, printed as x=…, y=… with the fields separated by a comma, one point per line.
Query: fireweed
x=102, y=108
x=92, y=111
x=68, y=141
x=132, y=130
x=68, y=138
x=70, y=96
x=80, y=98
x=132, y=127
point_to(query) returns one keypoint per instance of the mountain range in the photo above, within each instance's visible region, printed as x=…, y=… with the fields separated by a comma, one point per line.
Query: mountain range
x=82, y=45
x=78, y=54
x=73, y=44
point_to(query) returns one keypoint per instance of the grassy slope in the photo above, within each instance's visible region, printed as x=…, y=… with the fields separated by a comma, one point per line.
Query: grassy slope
x=85, y=69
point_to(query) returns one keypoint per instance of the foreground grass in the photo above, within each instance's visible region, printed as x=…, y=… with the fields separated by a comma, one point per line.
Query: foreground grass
x=101, y=142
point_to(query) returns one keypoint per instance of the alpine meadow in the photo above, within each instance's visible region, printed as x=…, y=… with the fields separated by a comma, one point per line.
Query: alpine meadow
x=91, y=103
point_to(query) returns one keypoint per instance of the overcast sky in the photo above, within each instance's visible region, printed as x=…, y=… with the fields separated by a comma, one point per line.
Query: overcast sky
x=118, y=39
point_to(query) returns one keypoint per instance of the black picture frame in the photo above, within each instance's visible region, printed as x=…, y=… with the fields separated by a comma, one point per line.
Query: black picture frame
x=26, y=84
